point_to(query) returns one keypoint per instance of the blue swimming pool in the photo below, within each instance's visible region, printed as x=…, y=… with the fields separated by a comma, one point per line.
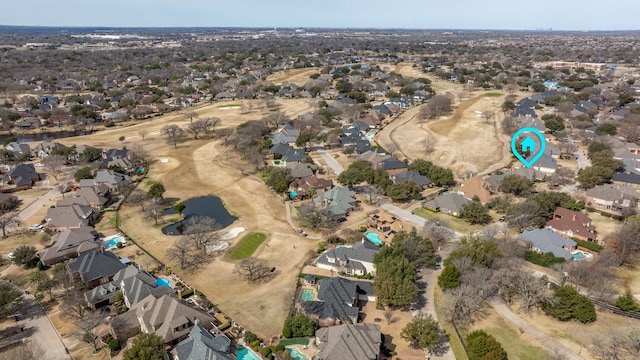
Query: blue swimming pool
x=307, y=295
x=296, y=354
x=293, y=194
x=373, y=237
x=162, y=282
x=112, y=242
x=244, y=353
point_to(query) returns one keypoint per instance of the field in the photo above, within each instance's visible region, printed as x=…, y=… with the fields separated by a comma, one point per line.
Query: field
x=247, y=246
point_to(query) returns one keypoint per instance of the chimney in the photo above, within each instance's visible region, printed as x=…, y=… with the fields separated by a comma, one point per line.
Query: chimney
x=574, y=217
x=179, y=294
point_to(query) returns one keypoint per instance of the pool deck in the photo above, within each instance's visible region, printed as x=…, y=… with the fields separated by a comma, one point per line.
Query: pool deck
x=309, y=352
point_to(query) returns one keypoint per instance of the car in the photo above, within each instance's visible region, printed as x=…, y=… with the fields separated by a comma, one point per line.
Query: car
x=304, y=234
x=39, y=165
x=501, y=219
x=342, y=219
x=11, y=256
x=35, y=227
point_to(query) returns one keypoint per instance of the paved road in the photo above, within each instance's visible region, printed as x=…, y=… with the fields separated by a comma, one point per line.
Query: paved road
x=547, y=341
x=331, y=162
x=583, y=160
x=44, y=341
x=42, y=201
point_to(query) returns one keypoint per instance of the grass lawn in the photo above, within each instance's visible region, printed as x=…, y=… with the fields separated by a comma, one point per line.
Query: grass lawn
x=448, y=221
x=229, y=105
x=493, y=94
x=247, y=246
x=454, y=340
x=295, y=341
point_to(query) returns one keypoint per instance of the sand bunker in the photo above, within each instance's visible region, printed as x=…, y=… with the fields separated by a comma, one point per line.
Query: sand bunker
x=232, y=233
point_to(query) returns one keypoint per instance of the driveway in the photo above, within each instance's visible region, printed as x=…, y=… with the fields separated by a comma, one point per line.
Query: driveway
x=583, y=160
x=42, y=201
x=544, y=339
x=42, y=338
x=408, y=216
x=331, y=162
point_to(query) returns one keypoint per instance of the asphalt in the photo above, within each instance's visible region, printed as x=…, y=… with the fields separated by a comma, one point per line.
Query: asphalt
x=331, y=162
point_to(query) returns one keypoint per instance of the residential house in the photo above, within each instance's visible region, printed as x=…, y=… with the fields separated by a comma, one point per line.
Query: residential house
x=23, y=176
x=631, y=178
x=29, y=123
x=45, y=148
x=374, y=157
x=337, y=201
x=70, y=217
x=545, y=164
x=349, y=342
x=477, y=186
x=113, y=180
x=612, y=198
x=89, y=196
x=165, y=316
x=386, y=224
x=135, y=284
x=94, y=268
x=410, y=175
x=449, y=203
x=573, y=224
x=353, y=260
x=223, y=96
x=19, y=150
x=338, y=301
x=70, y=244
x=202, y=345
x=311, y=186
x=392, y=166
x=300, y=170
x=285, y=134
x=546, y=240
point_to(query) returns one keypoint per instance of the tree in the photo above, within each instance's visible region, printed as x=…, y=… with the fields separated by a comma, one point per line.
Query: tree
x=138, y=197
x=606, y=129
x=91, y=338
x=449, y=278
x=439, y=176
x=9, y=297
x=179, y=207
x=253, y=270
x=482, y=346
x=25, y=255
x=568, y=304
x=276, y=119
x=200, y=231
x=406, y=190
x=395, y=281
x=156, y=190
x=626, y=242
x=83, y=173
x=553, y=122
x=54, y=164
x=314, y=218
x=475, y=213
x=181, y=252
x=594, y=175
x=143, y=133
x=8, y=219
x=359, y=171
x=278, y=179
x=480, y=251
x=423, y=332
x=43, y=282
x=146, y=347
x=191, y=115
x=627, y=302
x=90, y=154
x=300, y=326
x=435, y=107
x=516, y=185
x=173, y=133
x=195, y=128
x=417, y=249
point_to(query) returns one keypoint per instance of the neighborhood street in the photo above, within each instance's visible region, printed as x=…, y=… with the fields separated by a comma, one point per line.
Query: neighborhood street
x=42, y=201
x=42, y=338
x=331, y=162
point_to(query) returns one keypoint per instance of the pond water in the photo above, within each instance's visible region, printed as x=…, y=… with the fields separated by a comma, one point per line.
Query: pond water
x=44, y=136
x=207, y=206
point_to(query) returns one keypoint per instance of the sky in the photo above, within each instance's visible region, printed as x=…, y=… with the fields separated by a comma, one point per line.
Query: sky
x=410, y=14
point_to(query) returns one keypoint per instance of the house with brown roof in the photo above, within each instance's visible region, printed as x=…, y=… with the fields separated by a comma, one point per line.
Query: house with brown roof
x=70, y=244
x=477, y=186
x=572, y=224
x=311, y=186
x=89, y=196
x=386, y=224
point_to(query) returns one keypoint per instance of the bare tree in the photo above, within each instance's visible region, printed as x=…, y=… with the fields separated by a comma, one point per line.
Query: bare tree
x=487, y=115
x=388, y=315
x=174, y=134
x=626, y=242
x=201, y=230
x=276, y=119
x=195, y=128
x=253, y=270
x=616, y=345
x=139, y=155
x=139, y=197
x=143, y=133
x=8, y=220
x=191, y=115
x=225, y=134
x=181, y=252
x=54, y=163
x=154, y=211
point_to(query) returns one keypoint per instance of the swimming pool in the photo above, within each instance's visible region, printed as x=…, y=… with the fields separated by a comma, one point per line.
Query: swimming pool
x=373, y=237
x=112, y=242
x=581, y=255
x=307, y=295
x=296, y=354
x=244, y=353
x=162, y=282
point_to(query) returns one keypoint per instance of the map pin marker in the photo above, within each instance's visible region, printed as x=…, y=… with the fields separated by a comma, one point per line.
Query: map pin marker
x=528, y=144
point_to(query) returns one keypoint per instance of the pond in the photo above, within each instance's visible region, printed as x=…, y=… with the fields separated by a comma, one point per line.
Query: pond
x=207, y=206
x=43, y=136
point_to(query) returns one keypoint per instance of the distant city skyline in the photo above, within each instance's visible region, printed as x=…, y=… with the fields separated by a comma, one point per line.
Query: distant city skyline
x=580, y=15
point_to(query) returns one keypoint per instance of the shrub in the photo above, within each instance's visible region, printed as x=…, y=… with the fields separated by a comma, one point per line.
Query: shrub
x=589, y=245
x=114, y=345
x=449, y=278
x=300, y=325
x=626, y=302
x=224, y=326
x=570, y=305
x=286, y=332
x=250, y=337
x=546, y=259
x=482, y=346
x=265, y=351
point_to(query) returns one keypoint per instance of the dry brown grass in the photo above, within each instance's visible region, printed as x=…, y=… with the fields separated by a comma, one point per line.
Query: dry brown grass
x=295, y=76
x=391, y=331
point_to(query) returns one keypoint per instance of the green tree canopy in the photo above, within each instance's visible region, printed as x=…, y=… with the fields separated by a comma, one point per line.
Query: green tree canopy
x=406, y=190
x=627, y=302
x=146, y=347
x=480, y=251
x=482, y=346
x=438, y=175
x=423, y=332
x=417, y=249
x=475, y=213
x=516, y=184
x=299, y=326
x=278, y=179
x=25, y=255
x=395, y=281
x=9, y=296
x=358, y=172
x=569, y=304
x=83, y=173
x=156, y=190
x=449, y=278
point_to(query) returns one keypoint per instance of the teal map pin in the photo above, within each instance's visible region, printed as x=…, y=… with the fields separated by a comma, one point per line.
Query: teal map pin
x=528, y=145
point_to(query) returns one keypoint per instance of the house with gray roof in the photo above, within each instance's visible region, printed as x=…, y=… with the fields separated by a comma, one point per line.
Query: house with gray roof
x=70, y=217
x=353, y=260
x=165, y=316
x=612, y=198
x=338, y=301
x=546, y=240
x=392, y=166
x=88, y=196
x=94, y=268
x=19, y=150
x=337, y=201
x=300, y=170
x=349, y=342
x=22, y=176
x=373, y=157
x=450, y=203
x=546, y=163
x=202, y=345
x=114, y=180
x=70, y=244
x=45, y=148
x=413, y=176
